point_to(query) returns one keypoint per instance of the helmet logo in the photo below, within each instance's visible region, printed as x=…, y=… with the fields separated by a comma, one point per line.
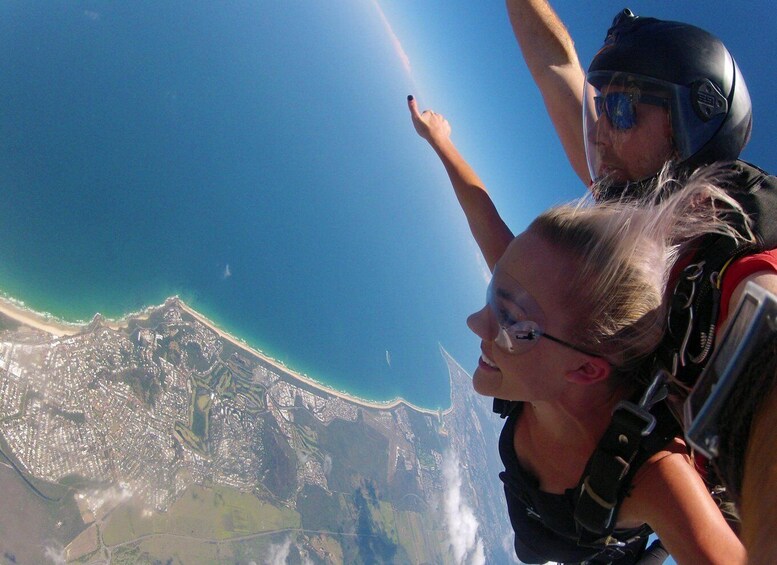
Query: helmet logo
x=707, y=100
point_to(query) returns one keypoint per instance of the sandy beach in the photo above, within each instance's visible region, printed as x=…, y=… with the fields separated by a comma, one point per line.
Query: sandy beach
x=59, y=328
x=304, y=378
x=35, y=320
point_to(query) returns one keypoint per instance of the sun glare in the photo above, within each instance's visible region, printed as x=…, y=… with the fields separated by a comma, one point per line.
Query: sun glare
x=405, y=60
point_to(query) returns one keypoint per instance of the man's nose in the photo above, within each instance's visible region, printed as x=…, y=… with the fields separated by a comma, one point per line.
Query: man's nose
x=601, y=134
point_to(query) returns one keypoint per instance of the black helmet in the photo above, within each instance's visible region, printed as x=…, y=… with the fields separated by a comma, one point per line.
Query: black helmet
x=708, y=101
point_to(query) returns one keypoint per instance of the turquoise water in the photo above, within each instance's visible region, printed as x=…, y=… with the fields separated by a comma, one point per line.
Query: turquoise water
x=255, y=159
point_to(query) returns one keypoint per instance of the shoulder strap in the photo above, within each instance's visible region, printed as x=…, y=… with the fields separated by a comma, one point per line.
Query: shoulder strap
x=637, y=430
x=756, y=192
x=503, y=407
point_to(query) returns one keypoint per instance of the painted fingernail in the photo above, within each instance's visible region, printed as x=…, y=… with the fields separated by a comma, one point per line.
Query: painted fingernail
x=409, y=97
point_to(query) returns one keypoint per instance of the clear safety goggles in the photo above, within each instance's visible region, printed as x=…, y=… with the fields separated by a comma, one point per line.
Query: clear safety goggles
x=616, y=97
x=518, y=316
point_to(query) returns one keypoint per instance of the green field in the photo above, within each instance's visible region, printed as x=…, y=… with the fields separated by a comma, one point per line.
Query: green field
x=201, y=514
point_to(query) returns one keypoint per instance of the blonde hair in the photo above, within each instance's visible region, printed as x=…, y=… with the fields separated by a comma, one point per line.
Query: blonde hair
x=624, y=252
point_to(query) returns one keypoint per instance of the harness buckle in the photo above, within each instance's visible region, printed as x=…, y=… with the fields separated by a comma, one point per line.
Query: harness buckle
x=613, y=550
x=682, y=302
x=686, y=286
x=643, y=415
x=656, y=391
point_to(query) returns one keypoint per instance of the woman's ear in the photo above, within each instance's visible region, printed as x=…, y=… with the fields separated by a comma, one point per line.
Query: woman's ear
x=594, y=370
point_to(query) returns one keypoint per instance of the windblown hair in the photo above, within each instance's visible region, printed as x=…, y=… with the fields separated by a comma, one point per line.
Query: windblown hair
x=624, y=252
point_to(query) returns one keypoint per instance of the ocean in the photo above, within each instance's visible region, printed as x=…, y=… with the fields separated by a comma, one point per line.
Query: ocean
x=256, y=160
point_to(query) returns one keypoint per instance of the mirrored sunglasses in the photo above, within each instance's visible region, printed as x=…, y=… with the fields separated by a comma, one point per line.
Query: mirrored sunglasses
x=620, y=107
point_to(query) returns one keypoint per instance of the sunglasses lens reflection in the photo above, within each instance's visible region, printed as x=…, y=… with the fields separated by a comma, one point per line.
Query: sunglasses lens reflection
x=518, y=337
x=619, y=109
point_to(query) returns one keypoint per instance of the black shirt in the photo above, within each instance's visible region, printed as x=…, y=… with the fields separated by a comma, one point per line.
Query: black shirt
x=544, y=523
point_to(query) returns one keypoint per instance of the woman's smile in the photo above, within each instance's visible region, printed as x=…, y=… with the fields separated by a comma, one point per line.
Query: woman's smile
x=486, y=362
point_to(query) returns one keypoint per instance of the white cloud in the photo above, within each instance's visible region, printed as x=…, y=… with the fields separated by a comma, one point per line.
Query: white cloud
x=509, y=548
x=479, y=556
x=108, y=498
x=327, y=465
x=277, y=554
x=460, y=520
x=56, y=554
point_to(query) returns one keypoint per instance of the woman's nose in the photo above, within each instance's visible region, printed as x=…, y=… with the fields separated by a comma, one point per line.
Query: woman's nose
x=482, y=323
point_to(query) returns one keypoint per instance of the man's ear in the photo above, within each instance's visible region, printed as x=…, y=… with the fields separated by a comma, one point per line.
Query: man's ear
x=593, y=370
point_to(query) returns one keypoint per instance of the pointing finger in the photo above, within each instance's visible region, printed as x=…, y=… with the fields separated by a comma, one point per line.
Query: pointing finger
x=413, y=106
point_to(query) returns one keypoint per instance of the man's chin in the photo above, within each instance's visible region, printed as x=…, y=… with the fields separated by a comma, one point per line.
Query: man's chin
x=612, y=175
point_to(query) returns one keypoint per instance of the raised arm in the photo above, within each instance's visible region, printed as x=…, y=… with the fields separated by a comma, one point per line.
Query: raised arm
x=550, y=54
x=489, y=230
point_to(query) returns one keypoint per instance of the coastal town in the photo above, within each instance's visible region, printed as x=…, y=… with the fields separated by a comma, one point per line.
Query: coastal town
x=129, y=420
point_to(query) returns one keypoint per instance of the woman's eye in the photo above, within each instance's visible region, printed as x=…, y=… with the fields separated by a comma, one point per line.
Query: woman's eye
x=505, y=320
x=509, y=318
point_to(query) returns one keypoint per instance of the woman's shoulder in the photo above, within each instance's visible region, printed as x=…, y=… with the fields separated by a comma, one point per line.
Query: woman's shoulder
x=674, y=453
x=657, y=477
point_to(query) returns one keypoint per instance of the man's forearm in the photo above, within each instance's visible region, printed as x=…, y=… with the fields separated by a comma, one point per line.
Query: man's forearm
x=551, y=57
x=542, y=36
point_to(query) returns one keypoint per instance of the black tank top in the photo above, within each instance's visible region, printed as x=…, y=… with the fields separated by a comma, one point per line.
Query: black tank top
x=544, y=523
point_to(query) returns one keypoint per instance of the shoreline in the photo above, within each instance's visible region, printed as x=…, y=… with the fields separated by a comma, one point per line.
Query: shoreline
x=47, y=323
x=379, y=405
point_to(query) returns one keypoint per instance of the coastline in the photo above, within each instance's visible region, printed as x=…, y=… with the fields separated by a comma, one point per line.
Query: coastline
x=58, y=328
x=386, y=405
x=20, y=313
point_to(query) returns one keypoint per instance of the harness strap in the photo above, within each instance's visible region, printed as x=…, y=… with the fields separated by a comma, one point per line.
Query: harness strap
x=683, y=351
x=601, y=488
x=690, y=338
x=503, y=407
x=694, y=308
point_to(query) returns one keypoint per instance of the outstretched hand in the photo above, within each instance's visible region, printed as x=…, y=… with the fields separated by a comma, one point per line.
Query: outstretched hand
x=431, y=126
x=489, y=230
